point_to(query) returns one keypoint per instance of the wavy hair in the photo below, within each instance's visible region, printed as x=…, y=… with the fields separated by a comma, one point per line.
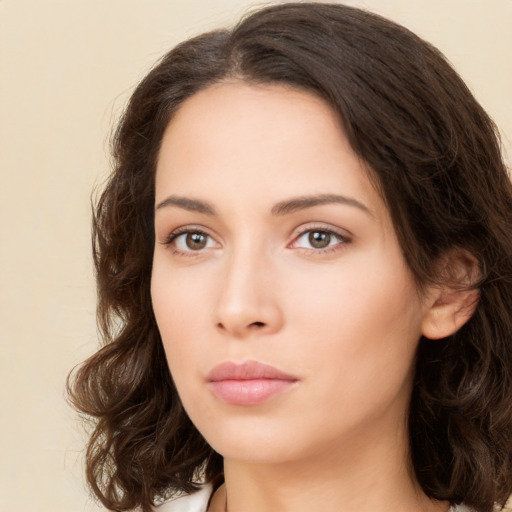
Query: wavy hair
x=434, y=155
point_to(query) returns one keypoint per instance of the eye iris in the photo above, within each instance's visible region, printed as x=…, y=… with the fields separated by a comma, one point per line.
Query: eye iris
x=319, y=239
x=196, y=241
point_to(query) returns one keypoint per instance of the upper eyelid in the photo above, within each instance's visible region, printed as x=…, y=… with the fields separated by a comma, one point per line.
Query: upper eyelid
x=318, y=230
x=342, y=238
x=174, y=233
x=320, y=226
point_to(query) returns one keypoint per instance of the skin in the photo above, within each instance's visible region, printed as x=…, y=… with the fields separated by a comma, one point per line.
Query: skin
x=345, y=320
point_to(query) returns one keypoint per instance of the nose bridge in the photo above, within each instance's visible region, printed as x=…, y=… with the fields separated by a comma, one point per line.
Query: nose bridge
x=247, y=302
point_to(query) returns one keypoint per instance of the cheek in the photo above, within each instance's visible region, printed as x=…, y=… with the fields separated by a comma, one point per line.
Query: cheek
x=364, y=317
x=358, y=293
x=178, y=295
x=175, y=305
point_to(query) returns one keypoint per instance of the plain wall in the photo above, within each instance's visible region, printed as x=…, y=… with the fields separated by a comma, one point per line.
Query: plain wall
x=66, y=69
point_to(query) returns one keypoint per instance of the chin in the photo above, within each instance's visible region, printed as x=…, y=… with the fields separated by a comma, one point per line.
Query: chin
x=253, y=442
x=255, y=452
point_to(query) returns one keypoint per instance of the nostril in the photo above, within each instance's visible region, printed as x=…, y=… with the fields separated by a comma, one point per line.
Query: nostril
x=257, y=324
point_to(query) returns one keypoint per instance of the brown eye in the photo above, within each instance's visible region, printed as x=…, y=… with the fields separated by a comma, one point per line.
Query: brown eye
x=190, y=241
x=196, y=241
x=319, y=239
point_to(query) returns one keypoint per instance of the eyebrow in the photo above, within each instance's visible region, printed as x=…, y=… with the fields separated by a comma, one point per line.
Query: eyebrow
x=282, y=208
x=304, y=202
x=192, y=205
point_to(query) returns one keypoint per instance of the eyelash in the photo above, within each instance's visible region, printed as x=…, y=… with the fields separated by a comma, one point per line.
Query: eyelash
x=342, y=239
x=186, y=230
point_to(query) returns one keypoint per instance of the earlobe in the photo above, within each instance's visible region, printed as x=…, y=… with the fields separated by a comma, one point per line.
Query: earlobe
x=452, y=303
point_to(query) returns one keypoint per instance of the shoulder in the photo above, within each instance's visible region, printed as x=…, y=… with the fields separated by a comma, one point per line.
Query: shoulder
x=196, y=502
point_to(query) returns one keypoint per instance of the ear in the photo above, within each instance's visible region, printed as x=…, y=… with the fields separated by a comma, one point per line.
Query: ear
x=452, y=303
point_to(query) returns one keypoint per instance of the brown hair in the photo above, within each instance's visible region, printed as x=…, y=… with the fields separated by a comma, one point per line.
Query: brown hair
x=436, y=159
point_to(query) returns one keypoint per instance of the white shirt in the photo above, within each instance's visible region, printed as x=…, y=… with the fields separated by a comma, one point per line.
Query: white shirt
x=198, y=502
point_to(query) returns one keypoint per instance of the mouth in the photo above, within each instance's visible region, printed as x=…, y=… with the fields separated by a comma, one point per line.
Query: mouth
x=249, y=383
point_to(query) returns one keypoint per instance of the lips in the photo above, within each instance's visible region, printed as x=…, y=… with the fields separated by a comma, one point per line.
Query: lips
x=249, y=383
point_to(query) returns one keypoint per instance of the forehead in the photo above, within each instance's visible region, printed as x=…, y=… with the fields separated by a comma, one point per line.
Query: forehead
x=234, y=140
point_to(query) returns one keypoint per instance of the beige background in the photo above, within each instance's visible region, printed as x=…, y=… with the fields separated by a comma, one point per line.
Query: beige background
x=66, y=68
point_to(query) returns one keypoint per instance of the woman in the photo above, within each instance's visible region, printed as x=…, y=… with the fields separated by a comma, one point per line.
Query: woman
x=309, y=225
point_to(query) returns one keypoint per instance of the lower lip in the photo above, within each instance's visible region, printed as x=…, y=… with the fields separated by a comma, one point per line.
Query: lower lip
x=249, y=392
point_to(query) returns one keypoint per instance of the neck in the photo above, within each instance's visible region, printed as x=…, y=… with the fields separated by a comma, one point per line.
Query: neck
x=361, y=476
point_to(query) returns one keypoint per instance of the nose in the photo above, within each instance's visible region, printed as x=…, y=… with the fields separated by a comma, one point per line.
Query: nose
x=248, y=301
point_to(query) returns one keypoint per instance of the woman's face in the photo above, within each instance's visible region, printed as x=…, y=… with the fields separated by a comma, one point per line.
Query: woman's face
x=273, y=248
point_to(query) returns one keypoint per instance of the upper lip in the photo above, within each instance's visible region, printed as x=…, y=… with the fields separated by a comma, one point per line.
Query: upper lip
x=248, y=370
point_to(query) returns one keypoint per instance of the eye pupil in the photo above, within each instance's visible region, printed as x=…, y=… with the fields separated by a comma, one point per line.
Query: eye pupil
x=319, y=239
x=196, y=241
